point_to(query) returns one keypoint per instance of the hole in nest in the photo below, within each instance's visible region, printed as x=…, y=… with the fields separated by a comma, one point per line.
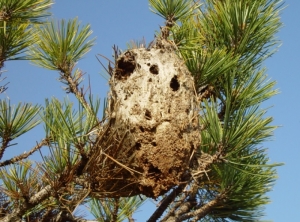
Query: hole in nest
x=125, y=66
x=153, y=144
x=154, y=69
x=148, y=114
x=174, y=84
x=192, y=146
x=154, y=170
x=138, y=146
x=142, y=129
x=150, y=80
x=153, y=130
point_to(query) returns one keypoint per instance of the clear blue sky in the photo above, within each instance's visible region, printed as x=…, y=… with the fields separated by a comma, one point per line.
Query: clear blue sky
x=118, y=22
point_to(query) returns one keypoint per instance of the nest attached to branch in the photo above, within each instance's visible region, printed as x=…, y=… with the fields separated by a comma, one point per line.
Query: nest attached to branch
x=153, y=128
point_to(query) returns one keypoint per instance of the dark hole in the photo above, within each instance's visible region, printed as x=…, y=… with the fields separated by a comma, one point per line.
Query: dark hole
x=174, y=170
x=125, y=66
x=142, y=129
x=192, y=146
x=154, y=69
x=148, y=114
x=169, y=111
x=174, y=84
x=180, y=135
x=148, y=64
x=137, y=146
x=154, y=170
x=150, y=80
x=153, y=144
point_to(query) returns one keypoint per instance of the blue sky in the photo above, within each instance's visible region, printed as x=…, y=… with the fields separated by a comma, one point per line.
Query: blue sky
x=118, y=22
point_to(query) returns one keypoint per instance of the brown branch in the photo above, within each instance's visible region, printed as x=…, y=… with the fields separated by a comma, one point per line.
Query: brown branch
x=185, y=207
x=66, y=216
x=116, y=209
x=4, y=87
x=175, y=206
x=166, y=202
x=5, y=143
x=18, y=212
x=2, y=60
x=130, y=219
x=40, y=196
x=79, y=95
x=24, y=155
x=204, y=210
x=206, y=92
x=72, y=82
x=15, y=216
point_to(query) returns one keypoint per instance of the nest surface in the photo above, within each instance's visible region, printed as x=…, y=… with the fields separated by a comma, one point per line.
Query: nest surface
x=153, y=125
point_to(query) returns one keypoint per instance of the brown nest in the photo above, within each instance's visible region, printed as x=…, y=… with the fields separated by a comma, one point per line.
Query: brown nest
x=152, y=132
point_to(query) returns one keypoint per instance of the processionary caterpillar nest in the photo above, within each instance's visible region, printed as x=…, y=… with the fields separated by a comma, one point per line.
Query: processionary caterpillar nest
x=153, y=124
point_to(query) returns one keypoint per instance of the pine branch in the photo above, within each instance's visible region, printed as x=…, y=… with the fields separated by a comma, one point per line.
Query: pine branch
x=24, y=155
x=166, y=202
x=73, y=87
x=204, y=210
x=15, y=216
x=174, y=207
x=1, y=61
x=5, y=143
x=18, y=212
x=186, y=206
x=67, y=216
x=40, y=196
x=130, y=219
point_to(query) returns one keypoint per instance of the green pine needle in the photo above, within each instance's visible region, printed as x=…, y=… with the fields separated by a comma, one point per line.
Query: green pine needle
x=62, y=44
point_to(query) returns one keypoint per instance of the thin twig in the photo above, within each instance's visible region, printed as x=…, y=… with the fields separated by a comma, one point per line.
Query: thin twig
x=24, y=155
x=122, y=165
x=185, y=206
x=174, y=207
x=116, y=209
x=166, y=202
x=108, y=71
x=204, y=210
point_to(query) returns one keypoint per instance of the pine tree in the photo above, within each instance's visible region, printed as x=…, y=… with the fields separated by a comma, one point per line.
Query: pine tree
x=182, y=122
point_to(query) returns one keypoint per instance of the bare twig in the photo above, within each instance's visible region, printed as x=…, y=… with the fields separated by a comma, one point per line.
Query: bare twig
x=174, y=207
x=5, y=144
x=78, y=93
x=130, y=219
x=116, y=209
x=4, y=87
x=184, y=207
x=204, y=210
x=110, y=69
x=24, y=155
x=166, y=202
